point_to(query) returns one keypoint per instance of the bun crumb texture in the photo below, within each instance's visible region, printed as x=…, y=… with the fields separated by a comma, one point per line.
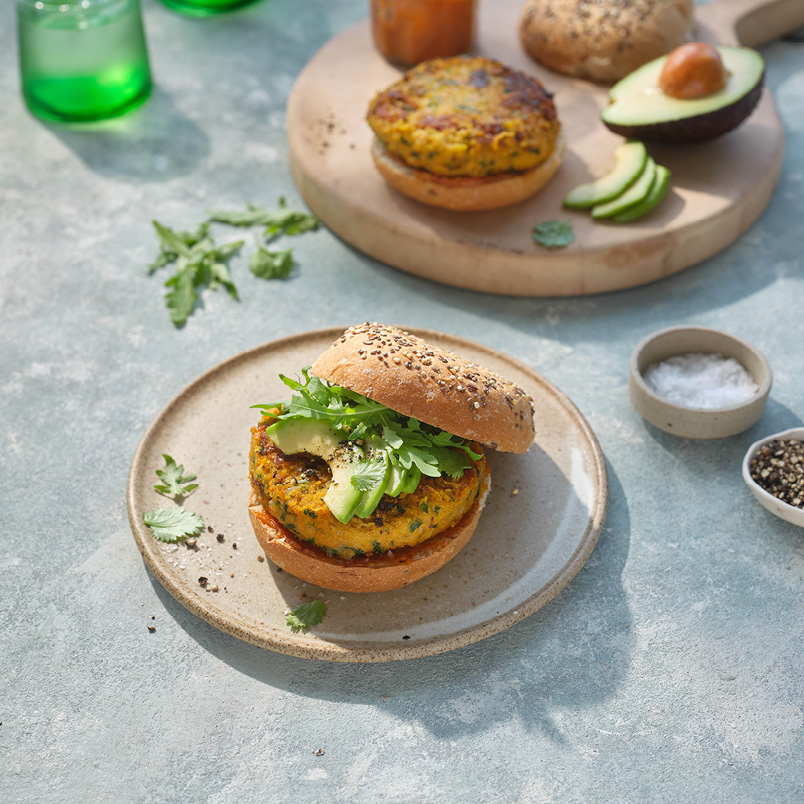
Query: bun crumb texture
x=603, y=40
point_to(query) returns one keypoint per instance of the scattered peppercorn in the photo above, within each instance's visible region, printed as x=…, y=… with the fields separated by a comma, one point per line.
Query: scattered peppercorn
x=260, y=557
x=152, y=628
x=219, y=537
x=234, y=545
x=202, y=581
x=778, y=468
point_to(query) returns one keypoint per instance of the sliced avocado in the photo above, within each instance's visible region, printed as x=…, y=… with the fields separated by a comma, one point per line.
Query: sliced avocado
x=629, y=161
x=303, y=435
x=371, y=499
x=640, y=109
x=396, y=481
x=412, y=480
x=342, y=497
x=637, y=192
x=656, y=194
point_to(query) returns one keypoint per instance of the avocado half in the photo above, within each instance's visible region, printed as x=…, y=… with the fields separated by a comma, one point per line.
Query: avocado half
x=639, y=109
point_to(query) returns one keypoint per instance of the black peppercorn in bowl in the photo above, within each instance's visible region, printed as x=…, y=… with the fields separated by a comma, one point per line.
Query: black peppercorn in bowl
x=773, y=468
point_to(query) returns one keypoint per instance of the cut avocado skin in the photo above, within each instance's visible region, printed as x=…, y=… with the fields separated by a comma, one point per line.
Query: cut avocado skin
x=651, y=201
x=635, y=194
x=629, y=158
x=637, y=110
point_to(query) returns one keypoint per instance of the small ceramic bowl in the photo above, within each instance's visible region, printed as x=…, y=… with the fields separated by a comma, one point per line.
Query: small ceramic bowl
x=776, y=506
x=696, y=422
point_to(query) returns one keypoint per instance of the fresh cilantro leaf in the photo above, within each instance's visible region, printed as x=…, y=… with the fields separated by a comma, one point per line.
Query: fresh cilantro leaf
x=369, y=474
x=271, y=264
x=173, y=524
x=175, y=482
x=306, y=615
x=553, y=234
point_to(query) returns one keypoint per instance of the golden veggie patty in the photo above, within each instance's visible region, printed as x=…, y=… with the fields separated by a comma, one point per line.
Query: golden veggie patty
x=293, y=488
x=466, y=117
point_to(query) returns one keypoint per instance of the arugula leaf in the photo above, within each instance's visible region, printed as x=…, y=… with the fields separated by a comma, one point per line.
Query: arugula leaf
x=175, y=482
x=219, y=275
x=252, y=216
x=306, y=615
x=174, y=524
x=271, y=264
x=199, y=263
x=285, y=221
x=406, y=443
x=172, y=242
x=553, y=234
x=175, y=244
x=288, y=222
x=181, y=299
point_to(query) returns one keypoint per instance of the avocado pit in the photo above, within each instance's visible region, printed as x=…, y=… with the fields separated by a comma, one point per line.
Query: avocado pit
x=693, y=70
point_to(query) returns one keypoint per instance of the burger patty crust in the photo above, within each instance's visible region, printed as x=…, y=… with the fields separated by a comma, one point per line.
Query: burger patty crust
x=292, y=488
x=466, y=117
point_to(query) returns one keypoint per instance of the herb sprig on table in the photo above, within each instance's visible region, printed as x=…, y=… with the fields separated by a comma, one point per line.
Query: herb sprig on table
x=201, y=263
x=173, y=524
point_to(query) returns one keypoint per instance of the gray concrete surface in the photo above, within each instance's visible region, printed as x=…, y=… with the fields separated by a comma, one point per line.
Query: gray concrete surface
x=670, y=670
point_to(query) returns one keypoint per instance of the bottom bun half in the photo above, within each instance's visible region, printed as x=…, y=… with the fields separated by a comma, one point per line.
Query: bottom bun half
x=391, y=570
x=465, y=193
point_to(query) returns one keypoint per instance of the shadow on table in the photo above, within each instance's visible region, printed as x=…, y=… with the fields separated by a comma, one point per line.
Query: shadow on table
x=711, y=456
x=572, y=654
x=153, y=143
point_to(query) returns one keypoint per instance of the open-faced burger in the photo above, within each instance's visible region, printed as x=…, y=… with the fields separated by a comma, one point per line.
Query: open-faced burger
x=466, y=134
x=373, y=474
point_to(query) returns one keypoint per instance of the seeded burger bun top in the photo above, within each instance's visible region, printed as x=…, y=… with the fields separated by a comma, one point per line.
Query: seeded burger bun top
x=603, y=40
x=430, y=384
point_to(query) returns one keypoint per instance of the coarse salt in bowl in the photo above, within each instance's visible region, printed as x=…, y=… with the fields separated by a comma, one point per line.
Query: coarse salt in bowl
x=782, y=509
x=697, y=382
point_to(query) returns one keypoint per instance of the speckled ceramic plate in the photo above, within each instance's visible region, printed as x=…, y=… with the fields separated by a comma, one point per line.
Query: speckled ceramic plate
x=541, y=521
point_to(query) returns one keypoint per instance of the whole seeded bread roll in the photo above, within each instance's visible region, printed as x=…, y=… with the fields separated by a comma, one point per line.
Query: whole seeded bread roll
x=603, y=40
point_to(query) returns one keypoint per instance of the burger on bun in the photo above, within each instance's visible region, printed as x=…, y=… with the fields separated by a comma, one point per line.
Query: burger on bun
x=466, y=134
x=373, y=474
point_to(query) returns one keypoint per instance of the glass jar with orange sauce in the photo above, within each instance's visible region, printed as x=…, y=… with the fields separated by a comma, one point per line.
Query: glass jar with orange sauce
x=410, y=31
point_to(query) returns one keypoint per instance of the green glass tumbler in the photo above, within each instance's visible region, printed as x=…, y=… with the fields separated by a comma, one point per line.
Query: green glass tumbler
x=205, y=8
x=82, y=60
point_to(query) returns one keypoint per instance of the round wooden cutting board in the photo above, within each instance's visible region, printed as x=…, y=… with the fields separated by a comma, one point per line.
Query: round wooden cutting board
x=718, y=188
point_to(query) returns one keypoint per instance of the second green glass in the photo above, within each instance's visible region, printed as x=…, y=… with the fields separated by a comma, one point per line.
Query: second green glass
x=205, y=8
x=82, y=60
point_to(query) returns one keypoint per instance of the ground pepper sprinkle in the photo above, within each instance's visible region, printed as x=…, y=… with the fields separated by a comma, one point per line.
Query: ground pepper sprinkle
x=779, y=469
